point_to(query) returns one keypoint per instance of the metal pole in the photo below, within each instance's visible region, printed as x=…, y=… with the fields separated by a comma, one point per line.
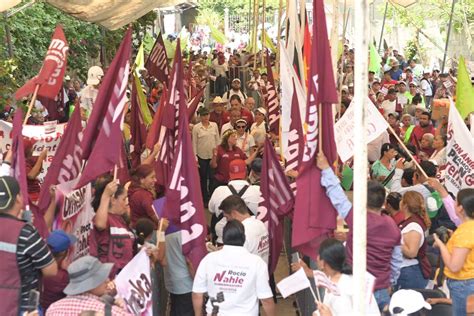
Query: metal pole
x=383, y=25
x=361, y=28
x=447, y=37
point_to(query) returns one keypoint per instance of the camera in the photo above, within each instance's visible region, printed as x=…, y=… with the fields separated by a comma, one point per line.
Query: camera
x=218, y=299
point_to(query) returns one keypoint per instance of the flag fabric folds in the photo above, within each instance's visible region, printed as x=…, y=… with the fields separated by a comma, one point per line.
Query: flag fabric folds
x=272, y=102
x=18, y=155
x=184, y=206
x=50, y=77
x=375, y=61
x=106, y=120
x=137, y=126
x=277, y=201
x=464, y=90
x=314, y=215
x=157, y=62
x=295, y=148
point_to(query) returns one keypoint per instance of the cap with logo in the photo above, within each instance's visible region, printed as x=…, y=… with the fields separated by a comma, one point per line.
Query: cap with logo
x=237, y=169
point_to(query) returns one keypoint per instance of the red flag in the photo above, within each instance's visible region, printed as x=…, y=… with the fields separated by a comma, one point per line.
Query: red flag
x=184, y=206
x=18, y=151
x=137, y=129
x=277, y=201
x=314, y=214
x=272, y=102
x=294, y=151
x=67, y=162
x=157, y=62
x=50, y=77
x=107, y=129
x=193, y=103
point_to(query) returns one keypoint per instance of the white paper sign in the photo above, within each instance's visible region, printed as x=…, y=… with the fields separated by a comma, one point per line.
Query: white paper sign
x=42, y=134
x=344, y=129
x=133, y=284
x=293, y=283
x=459, y=170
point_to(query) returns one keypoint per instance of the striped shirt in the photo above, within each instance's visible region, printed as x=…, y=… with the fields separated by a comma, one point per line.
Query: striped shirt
x=32, y=255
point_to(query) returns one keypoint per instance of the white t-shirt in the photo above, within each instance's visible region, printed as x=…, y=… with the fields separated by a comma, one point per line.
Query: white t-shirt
x=417, y=228
x=388, y=107
x=88, y=96
x=251, y=198
x=245, y=142
x=426, y=87
x=342, y=305
x=241, y=276
x=256, y=238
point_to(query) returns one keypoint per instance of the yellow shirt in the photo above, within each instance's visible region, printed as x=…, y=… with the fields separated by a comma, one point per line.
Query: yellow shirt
x=463, y=237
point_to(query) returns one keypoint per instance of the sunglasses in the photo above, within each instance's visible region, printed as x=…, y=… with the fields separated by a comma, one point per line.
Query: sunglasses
x=240, y=126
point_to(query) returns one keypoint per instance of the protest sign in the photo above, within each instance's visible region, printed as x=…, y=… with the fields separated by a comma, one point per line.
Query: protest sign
x=296, y=282
x=75, y=215
x=45, y=137
x=459, y=169
x=134, y=286
x=344, y=129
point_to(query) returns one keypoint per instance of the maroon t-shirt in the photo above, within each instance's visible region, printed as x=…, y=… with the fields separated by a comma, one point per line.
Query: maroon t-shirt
x=53, y=288
x=224, y=157
x=247, y=115
x=382, y=236
x=220, y=119
x=419, y=131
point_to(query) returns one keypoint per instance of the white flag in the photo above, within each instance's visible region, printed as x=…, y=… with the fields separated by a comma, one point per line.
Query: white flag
x=134, y=285
x=344, y=129
x=294, y=283
x=459, y=170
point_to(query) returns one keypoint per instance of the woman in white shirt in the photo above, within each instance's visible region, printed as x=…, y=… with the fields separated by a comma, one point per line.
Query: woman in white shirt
x=439, y=155
x=415, y=269
x=332, y=261
x=245, y=141
x=259, y=126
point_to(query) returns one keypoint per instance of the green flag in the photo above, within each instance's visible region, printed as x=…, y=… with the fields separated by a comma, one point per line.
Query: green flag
x=217, y=35
x=140, y=59
x=170, y=47
x=148, y=42
x=464, y=90
x=374, y=59
x=268, y=42
x=347, y=178
x=147, y=117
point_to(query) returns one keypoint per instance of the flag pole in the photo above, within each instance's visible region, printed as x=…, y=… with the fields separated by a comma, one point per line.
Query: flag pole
x=263, y=33
x=362, y=26
x=32, y=102
x=160, y=228
x=407, y=151
x=115, y=172
x=255, y=30
x=277, y=64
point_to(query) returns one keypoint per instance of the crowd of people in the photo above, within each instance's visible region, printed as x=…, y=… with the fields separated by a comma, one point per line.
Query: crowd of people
x=419, y=237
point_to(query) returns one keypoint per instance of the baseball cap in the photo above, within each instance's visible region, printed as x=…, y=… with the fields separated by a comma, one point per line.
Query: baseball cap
x=262, y=111
x=409, y=301
x=203, y=111
x=9, y=189
x=236, y=79
x=237, y=169
x=94, y=75
x=59, y=241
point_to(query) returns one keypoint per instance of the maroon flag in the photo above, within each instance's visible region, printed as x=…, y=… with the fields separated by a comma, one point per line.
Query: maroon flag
x=157, y=62
x=137, y=129
x=67, y=162
x=314, y=214
x=54, y=106
x=272, y=102
x=104, y=154
x=50, y=77
x=184, y=206
x=294, y=151
x=153, y=134
x=277, y=201
x=18, y=151
x=193, y=103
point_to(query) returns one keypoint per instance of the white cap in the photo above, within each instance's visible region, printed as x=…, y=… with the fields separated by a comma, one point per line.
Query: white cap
x=94, y=75
x=409, y=300
x=262, y=111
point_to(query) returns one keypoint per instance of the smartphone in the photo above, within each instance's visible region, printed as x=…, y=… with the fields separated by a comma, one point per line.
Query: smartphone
x=295, y=257
x=33, y=301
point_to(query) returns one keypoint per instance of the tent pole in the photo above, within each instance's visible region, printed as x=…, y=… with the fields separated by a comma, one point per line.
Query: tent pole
x=362, y=25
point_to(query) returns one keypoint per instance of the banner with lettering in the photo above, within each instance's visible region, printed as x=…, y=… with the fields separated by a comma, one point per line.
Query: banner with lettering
x=45, y=136
x=134, y=286
x=75, y=215
x=344, y=129
x=459, y=169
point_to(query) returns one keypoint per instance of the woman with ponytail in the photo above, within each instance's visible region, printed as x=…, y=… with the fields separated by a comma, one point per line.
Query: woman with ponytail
x=332, y=261
x=415, y=269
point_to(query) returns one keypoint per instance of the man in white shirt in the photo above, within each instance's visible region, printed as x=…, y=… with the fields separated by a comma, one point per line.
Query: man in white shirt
x=427, y=87
x=235, y=89
x=90, y=92
x=234, y=279
x=237, y=185
x=390, y=104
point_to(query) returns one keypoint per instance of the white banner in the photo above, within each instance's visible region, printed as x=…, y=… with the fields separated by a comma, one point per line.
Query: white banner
x=459, y=170
x=75, y=215
x=296, y=282
x=344, y=129
x=134, y=285
x=46, y=136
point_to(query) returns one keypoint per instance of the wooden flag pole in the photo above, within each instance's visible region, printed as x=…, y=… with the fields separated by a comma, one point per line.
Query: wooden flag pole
x=115, y=172
x=255, y=30
x=32, y=102
x=277, y=63
x=263, y=34
x=158, y=232
x=407, y=151
x=320, y=130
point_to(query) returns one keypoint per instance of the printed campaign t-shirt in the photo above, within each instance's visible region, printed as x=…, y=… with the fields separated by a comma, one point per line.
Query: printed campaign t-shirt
x=240, y=276
x=256, y=238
